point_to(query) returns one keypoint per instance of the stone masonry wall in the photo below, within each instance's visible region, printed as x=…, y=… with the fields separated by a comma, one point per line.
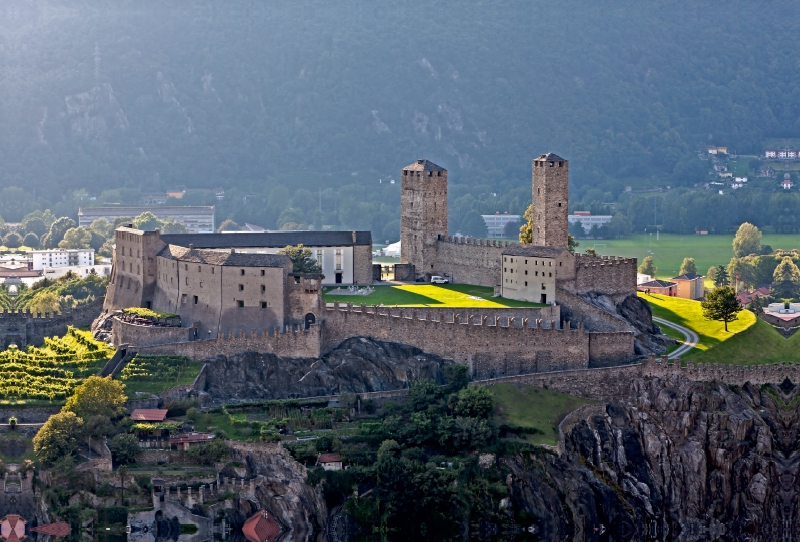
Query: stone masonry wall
x=470, y=261
x=608, y=275
x=488, y=350
x=362, y=264
x=575, y=309
x=136, y=335
x=611, y=347
x=26, y=328
x=293, y=344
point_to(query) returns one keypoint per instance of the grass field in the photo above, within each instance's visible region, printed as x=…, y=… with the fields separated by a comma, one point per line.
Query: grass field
x=154, y=374
x=537, y=408
x=690, y=314
x=429, y=295
x=670, y=250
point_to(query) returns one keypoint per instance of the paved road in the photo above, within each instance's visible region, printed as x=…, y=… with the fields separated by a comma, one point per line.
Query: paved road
x=691, y=337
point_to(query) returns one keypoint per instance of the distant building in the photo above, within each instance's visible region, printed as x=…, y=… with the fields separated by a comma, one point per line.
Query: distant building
x=330, y=461
x=155, y=198
x=766, y=171
x=661, y=287
x=61, y=257
x=690, y=286
x=587, y=220
x=184, y=441
x=770, y=154
x=787, y=184
x=496, y=223
x=529, y=272
x=261, y=527
x=717, y=150
x=197, y=219
x=176, y=193
x=740, y=179
x=82, y=271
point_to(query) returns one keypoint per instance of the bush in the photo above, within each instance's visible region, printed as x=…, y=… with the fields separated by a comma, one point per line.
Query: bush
x=31, y=240
x=208, y=454
x=124, y=448
x=12, y=240
x=57, y=437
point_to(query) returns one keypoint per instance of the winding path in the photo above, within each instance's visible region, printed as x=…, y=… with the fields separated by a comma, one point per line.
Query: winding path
x=691, y=337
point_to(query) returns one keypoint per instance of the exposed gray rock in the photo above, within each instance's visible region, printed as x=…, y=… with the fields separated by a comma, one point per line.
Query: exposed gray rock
x=357, y=365
x=648, y=338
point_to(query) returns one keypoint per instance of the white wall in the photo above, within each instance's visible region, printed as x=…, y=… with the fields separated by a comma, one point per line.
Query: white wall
x=328, y=261
x=61, y=258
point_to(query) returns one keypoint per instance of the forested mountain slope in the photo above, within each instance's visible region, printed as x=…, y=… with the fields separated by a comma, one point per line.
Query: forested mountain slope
x=312, y=94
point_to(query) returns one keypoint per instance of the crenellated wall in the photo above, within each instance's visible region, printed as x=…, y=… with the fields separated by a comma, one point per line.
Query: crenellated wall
x=137, y=335
x=293, y=343
x=735, y=375
x=27, y=328
x=489, y=349
x=470, y=261
x=611, y=276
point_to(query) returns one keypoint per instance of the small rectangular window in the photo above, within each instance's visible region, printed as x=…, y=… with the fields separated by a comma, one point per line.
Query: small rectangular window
x=199, y=269
x=186, y=266
x=187, y=281
x=241, y=287
x=240, y=303
x=262, y=272
x=263, y=288
x=263, y=305
x=212, y=270
x=183, y=299
x=242, y=272
x=526, y=283
x=195, y=300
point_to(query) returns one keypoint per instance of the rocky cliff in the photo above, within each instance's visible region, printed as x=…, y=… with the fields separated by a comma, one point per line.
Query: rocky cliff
x=675, y=460
x=357, y=365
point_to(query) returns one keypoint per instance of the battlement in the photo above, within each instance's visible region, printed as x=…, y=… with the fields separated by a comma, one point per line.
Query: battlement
x=773, y=373
x=474, y=241
x=587, y=260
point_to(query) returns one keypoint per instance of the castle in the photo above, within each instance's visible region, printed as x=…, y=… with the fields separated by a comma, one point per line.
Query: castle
x=234, y=294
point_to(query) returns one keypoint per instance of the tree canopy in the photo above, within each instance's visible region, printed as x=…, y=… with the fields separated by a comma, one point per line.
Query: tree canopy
x=302, y=259
x=722, y=305
x=98, y=396
x=58, y=437
x=747, y=240
x=688, y=266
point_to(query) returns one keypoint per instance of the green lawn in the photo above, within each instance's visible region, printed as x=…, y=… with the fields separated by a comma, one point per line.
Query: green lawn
x=759, y=343
x=689, y=313
x=156, y=385
x=529, y=406
x=430, y=295
x=670, y=249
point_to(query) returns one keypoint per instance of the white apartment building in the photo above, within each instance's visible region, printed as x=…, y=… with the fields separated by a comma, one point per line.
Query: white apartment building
x=61, y=257
x=587, y=220
x=496, y=223
x=82, y=271
x=196, y=218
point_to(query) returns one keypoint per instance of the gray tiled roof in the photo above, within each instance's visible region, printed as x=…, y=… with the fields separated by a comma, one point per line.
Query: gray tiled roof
x=551, y=157
x=218, y=257
x=657, y=283
x=423, y=165
x=280, y=240
x=533, y=251
x=687, y=276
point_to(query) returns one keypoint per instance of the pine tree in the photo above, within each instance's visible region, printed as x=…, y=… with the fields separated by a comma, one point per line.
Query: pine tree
x=722, y=305
x=786, y=279
x=722, y=278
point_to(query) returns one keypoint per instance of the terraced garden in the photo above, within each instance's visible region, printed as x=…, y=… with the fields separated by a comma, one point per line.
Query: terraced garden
x=49, y=373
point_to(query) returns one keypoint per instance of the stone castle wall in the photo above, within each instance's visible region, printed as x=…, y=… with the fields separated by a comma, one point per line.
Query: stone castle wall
x=470, y=261
x=616, y=347
x=611, y=276
x=489, y=350
x=133, y=334
x=294, y=344
x=593, y=318
x=26, y=328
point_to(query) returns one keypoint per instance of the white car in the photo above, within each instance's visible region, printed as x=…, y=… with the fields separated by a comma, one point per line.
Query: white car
x=439, y=280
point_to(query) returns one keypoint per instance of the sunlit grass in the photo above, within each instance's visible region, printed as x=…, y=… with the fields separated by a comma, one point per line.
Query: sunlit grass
x=430, y=295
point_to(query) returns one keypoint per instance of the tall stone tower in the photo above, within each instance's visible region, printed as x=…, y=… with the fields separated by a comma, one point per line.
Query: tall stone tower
x=550, y=201
x=423, y=214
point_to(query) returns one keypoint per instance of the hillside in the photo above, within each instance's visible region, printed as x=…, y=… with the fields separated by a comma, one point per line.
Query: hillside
x=313, y=95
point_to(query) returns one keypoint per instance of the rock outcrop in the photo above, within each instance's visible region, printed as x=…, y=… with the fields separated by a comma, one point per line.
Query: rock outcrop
x=358, y=365
x=676, y=460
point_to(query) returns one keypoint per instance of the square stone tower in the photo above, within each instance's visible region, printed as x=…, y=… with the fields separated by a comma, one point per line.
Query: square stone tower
x=423, y=214
x=550, y=201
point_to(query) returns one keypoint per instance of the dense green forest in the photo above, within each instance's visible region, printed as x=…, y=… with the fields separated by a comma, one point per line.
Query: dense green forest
x=303, y=111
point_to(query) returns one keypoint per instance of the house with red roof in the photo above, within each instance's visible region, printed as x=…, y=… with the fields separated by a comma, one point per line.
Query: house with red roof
x=149, y=415
x=184, y=441
x=12, y=528
x=261, y=527
x=60, y=528
x=330, y=461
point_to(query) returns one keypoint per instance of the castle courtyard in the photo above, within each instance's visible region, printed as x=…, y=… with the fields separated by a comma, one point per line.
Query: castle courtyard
x=429, y=295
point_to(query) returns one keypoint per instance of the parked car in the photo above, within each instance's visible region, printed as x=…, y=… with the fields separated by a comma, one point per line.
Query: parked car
x=439, y=280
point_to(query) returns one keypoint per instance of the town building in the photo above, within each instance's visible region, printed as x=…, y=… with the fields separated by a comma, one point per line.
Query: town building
x=330, y=461
x=660, y=287
x=717, y=150
x=196, y=219
x=496, y=224
x=530, y=272
x=61, y=257
x=184, y=441
x=261, y=527
x=787, y=184
x=81, y=270
x=690, y=286
x=587, y=220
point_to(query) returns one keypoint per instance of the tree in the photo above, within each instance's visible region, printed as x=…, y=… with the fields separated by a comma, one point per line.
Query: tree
x=526, y=229
x=57, y=231
x=747, y=240
x=101, y=227
x=170, y=226
x=76, y=238
x=474, y=402
x=722, y=278
x=786, y=279
x=57, y=437
x=35, y=225
x=722, y=305
x=511, y=228
x=30, y=240
x=124, y=448
x=12, y=240
x=121, y=221
x=647, y=267
x=302, y=260
x=576, y=230
x=147, y=221
x=228, y=225
x=98, y=396
x=209, y=453
x=572, y=244
x=688, y=266
x=743, y=271
x=44, y=302
x=712, y=273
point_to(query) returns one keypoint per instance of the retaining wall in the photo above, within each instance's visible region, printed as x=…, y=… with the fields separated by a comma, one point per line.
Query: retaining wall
x=27, y=328
x=294, y=344
x=488, y=349
x=608, y=275
x=137, y=335
x=470, y=261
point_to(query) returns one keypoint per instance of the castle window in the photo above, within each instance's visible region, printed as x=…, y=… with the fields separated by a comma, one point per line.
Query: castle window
x=505, y=270
x=263, y=288
x=438, y=173
x=186, y=267
x=195, y=300
x=505, y=259
x=430, y=174
x=526, y=271
x=199, y=269
x=240, y=304
x=537, y=273
x=241, y=287
x=212, y=270
x=526, y=262
x=550, y=274
x=559, y=204
x=560, y=264
x=187, y=281
x=183, y=299
x=526, y=283
x=263, y=305
x=544, y=287
x=262, y=272
x=242, y=272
